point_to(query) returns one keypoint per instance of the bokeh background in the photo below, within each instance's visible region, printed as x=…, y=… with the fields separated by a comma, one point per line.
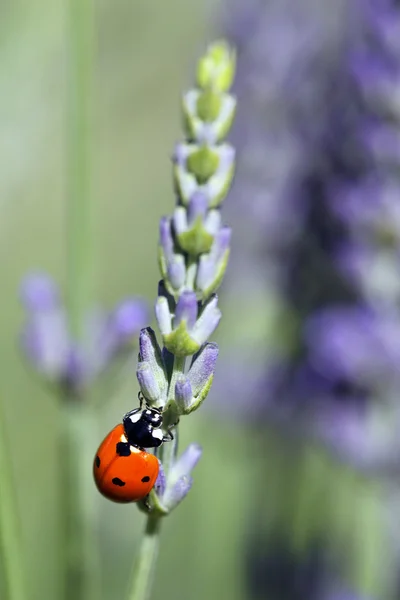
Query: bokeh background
x=277, y=512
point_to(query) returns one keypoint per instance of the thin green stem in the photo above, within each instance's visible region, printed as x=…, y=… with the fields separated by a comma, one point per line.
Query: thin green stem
x=143, y=573
x=10, y=542
x=81, y=26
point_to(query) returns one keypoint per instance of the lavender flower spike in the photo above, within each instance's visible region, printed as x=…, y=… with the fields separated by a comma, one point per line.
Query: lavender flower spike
x=48, y=344
x=193, y=254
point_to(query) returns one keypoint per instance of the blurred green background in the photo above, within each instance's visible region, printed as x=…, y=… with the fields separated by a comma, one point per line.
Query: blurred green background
x=145, y=55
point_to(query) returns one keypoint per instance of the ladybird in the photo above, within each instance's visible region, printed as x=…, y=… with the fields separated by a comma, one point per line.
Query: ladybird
x=123, y=470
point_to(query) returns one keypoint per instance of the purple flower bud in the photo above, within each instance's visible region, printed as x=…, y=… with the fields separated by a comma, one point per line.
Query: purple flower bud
x=198, y=205
x=180, y=154
x=186, y=310
x=212, y=265
x=128, y=318
x=39, y=292
x=176, y=272
x=180, y=481
x=152, y=379
x=212, y=222
x=180, y=220
x=163, y=315
x=45, y=342
x=202, y=367
x=207, y=322
x=166, y=240
x=175, y=493
x=160, y=482
x=183, y=393
x=187, y=461
x=147, y=382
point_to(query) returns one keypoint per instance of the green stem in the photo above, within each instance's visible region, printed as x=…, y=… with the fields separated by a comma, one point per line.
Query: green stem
x=79, y=546
x=143, y=574
x=10, y=541
x=81, y=24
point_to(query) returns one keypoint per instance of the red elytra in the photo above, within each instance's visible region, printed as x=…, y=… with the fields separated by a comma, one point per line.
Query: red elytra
x=122, y=472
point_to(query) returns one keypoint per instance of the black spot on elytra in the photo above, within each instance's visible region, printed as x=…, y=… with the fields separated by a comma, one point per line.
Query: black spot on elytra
x=145, y=479
x=118, y=481
x=123, y=449
x=97, y=461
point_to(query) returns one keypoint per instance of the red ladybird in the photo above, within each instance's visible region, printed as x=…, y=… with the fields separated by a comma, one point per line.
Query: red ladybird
x=122, y=469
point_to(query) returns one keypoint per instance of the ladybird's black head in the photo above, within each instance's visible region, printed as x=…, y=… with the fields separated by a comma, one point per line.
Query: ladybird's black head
x=143, y=427
x=152, y=416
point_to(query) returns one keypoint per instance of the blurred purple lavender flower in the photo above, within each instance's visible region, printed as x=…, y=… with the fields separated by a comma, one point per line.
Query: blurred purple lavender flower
x=320, y=256
x=47, y=342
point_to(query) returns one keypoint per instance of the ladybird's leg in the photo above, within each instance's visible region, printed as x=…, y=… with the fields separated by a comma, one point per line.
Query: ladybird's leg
x=146, y=503
x=169, y=435
x=141, y=400
x=135, y=411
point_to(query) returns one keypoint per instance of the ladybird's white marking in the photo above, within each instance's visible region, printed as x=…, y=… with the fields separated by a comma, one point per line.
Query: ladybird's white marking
x=135, y=418
x=148, y=412
x=123, y=439
x=134, y=450
x=158, y=434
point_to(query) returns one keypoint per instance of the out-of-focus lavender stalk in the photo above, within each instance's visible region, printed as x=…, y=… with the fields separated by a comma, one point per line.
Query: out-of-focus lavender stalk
x=71, y=347
x=307, y=388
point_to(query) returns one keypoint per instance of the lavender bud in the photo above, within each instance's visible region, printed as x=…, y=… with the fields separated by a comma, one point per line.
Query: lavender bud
x=176, y=274
x=198, y=206
x=179, y=480
x=128, y=318
x=212, y=222
x=161, y=482
x=175, y=493
x=208, y=170
x=194, y=240
x=189, y=334
x=192, y=228
x=200, y=376
x=186, y=310
x=163, y=316
x=216, y=69
x=39, y=292
x=207, y=322
x=208, y=116
x=148, y=383
x=172, y=265
x=151, y=373
x=183, y=394
x=166, y=240
x=178, y=341
x=212, y=266
x=45, y=342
